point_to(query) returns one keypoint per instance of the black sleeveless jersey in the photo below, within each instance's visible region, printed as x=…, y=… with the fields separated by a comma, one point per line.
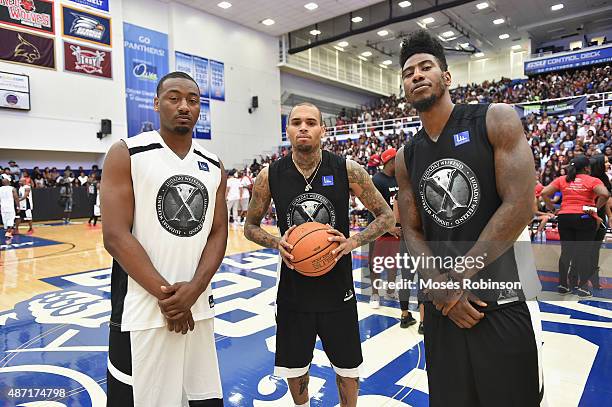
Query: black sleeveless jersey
x=326, y=202
x=387, y=186
x=454, y=182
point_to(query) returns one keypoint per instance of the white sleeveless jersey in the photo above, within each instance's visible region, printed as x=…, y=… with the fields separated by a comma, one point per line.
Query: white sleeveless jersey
x=174, y=204
x=26, y=203
x=7, y=202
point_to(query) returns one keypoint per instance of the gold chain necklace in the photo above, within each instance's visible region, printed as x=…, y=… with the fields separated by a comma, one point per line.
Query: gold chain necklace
x=308, y=186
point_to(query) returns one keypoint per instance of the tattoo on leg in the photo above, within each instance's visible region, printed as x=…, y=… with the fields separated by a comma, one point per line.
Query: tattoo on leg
x=303, y=383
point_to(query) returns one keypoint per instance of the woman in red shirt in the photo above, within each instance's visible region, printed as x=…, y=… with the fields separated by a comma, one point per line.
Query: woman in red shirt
x=576, y=223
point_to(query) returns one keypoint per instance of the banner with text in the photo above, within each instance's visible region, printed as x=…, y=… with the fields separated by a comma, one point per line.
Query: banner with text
x=202, y=127
x=146, y=61
x=31, y=14
x=101, y=5
x=554, y=107
x=84, y=26
x=569, y=60
x=217, y=80
x=87, y=60
x=195, y=67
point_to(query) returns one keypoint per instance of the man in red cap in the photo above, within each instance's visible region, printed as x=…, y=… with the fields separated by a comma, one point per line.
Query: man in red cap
x=388, y=245
x=373, y=164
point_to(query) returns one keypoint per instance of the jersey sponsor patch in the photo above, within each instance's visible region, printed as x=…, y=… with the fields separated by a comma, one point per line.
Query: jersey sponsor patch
x=203, y=166
x=461, y=138
x=181, y=205
x=328, y=180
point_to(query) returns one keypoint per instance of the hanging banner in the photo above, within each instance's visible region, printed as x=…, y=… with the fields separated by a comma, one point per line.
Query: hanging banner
x=553, y=108
x=200, y=74
x=101, y=5
x=195, y=67
x=202, y=127
x=146, y=61
x=87, y=60
x=84, y=26
x=31, y=14
x=568, y=60
x=29, y=49
x=217, y=80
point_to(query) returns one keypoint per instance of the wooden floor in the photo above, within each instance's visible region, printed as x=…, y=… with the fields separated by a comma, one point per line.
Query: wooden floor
x=79, y=248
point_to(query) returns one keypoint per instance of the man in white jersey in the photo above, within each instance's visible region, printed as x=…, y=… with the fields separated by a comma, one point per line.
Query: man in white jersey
x=8, y=202
x=167, y=235
x=26, y=204
x=232, y=196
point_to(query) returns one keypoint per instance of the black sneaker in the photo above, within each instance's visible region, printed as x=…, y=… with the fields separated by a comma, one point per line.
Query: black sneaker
x=561, y=289
x=421, y=328
x=407, y=321
x=583, y=293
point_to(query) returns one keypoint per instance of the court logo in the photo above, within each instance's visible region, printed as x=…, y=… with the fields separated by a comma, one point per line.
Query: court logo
x=449, y=192
x=181, y=205
x=311, y=207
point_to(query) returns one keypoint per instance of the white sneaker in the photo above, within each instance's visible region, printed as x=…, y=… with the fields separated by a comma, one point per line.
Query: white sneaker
x=374, y=301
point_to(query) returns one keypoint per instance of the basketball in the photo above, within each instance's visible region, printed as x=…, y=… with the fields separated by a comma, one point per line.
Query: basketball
x=311, y=252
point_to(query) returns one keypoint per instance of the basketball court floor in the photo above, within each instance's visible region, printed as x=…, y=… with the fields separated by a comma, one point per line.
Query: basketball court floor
x=54, y=311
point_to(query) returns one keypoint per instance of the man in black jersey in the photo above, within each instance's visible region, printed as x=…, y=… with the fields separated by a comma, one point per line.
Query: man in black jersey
x=314, y=185
x=465, y=182
x=388, y=245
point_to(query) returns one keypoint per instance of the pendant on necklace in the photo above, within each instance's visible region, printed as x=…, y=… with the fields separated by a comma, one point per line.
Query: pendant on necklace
x=307, y=187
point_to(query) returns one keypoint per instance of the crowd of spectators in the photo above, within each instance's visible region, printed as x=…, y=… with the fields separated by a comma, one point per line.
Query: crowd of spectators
x=50, y=176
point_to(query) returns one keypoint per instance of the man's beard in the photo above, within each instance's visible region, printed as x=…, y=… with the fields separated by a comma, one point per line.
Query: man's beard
x=424, y=105
x=182, y=129
x=304, y=148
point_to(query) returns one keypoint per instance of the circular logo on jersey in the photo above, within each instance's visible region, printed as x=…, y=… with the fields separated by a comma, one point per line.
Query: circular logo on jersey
x=311, y=207
x=450, y=192
x=181, y=205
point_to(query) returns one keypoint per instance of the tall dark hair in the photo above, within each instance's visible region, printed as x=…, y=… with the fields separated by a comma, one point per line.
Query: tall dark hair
x=598, y=170
x=420, y=42
x=175, y=74
x=577, y=166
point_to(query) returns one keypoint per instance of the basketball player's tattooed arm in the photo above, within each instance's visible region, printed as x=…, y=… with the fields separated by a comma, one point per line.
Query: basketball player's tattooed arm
x=185, y=293
x=515, y=185
x=117, y=204
x=362, y=186
x=258, y=207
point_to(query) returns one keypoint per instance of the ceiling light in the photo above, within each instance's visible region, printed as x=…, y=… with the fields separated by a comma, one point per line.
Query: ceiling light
x=357, y=19
x=515, y=47
x=504, y=36
x=447, y=34
x=404, y=4
x=366, y=54
x=382, y=66
x=557, y=7
x=315, y=32
x=343, y=44
x=428, y=20
x=225, y=4
x=464, y=44
x=362, y=58
x=339, y=48
x=498, y=21
x=382, y=33
x=479, y=54
x=311, y=6
x=387, y=62
x=482, y=6
x=268, y=21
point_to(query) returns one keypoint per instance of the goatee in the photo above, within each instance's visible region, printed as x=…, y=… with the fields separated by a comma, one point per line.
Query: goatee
x=303, y=148
x=182, y=129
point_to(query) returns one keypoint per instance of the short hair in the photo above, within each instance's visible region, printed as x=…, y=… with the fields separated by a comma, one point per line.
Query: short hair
x=311, y=105
x=420, y=42
x=175, y=74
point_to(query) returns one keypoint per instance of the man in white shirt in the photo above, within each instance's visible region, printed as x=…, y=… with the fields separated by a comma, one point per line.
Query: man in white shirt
x=232, y=196
x=26, y=204
x=245, y=195
x=8, y=201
